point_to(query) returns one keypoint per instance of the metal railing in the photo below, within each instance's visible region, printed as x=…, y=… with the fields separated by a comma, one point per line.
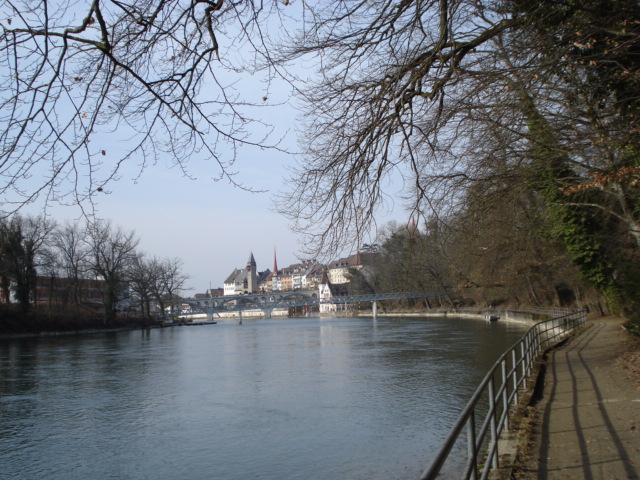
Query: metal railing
x=288, y=299
x=486, y=415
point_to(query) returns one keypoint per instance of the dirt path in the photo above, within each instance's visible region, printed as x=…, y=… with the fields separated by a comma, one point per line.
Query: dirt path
x=588, y=419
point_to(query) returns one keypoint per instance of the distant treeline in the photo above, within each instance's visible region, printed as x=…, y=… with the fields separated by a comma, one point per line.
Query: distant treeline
x=505, y=255
x=72, y=267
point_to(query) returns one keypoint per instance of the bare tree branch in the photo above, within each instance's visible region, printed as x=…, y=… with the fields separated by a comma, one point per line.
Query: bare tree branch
x=84, y=95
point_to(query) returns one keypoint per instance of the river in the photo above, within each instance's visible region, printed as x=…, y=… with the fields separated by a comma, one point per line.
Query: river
x=285, y=399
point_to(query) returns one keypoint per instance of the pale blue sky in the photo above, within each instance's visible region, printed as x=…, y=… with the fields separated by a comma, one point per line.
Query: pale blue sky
x=211, y=226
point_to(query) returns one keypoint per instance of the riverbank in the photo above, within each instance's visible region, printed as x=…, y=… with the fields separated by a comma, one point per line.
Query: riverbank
x=527, y=316
x=14, y=324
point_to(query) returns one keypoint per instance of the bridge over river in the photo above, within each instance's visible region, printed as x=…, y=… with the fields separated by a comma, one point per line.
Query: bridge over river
x=267, y=302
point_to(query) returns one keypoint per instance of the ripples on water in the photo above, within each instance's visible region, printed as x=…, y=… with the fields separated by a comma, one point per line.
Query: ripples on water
x=339, y=398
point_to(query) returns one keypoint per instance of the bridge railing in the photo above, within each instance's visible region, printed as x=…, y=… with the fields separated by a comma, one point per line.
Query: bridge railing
x=297, y=299
x=486, y=416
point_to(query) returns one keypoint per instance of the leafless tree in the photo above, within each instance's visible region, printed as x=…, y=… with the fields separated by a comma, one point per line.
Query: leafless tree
x=160, y=279
x=68, y=242
x=143, y=277
x=172, y=278
x=157, y=285
x=413, y=88
x=392, y=73
x=87, y=88
x=23, y=242
x=112, y=251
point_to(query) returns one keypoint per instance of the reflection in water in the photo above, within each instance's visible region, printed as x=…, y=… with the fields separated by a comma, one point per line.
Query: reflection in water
x=328, y=398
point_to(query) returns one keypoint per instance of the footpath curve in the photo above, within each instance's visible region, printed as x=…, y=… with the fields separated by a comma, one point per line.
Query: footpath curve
x=588, y=411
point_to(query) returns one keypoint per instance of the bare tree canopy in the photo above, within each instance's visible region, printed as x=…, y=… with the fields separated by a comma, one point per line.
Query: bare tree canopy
x=453, y=94
x=89, y=86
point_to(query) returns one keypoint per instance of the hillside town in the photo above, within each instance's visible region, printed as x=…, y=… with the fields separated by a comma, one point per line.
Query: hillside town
x=306, y=275
x=330, y=280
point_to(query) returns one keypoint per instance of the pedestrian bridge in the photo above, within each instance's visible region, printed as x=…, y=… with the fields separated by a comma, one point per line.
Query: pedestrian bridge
x=267, y=302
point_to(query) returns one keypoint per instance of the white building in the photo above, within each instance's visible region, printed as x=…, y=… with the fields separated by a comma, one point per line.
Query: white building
x=234, y=282
x=328, y=291
x=243, y=280
x=338, y=271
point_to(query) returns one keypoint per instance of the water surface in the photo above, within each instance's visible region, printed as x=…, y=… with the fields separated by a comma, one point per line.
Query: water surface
x=286, y=399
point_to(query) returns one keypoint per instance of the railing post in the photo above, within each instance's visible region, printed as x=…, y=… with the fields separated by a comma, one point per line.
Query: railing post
x=514, y=363
x=545, y=344
x=525, y=347
x=505, y=393
x=494, y=429
x=471, y=446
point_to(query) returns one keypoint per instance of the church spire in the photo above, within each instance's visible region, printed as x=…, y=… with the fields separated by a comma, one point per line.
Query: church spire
x=275, y=262
x=251, y=263
x=252, y=275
